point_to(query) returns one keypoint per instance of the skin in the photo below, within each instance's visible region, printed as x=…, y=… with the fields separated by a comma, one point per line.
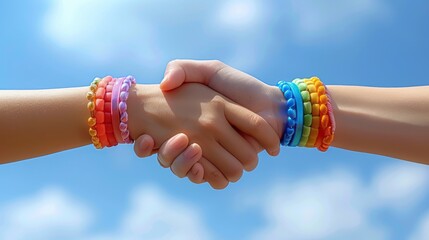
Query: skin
x=392, y=122
x=40, y=122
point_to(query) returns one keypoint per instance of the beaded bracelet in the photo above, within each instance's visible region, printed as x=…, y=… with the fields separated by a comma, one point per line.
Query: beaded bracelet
x=290, y=123
x=92, y=121
x=307, y=111
x=314, y=122
x=300, y=115
x=120, y=95
x=108, y=119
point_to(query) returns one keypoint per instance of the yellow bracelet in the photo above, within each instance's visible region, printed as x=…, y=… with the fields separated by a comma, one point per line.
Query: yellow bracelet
x=91, y=107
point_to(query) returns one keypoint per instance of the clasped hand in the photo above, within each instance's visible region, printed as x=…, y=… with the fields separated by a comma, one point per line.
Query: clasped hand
x=208, y=133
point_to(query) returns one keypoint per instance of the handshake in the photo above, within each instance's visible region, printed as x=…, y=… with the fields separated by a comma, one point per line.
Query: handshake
x=210, y=130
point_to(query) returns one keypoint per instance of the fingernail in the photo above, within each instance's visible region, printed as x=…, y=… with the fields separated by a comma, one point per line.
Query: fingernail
x=165, y=77
x=162, y=162
x=191, y=151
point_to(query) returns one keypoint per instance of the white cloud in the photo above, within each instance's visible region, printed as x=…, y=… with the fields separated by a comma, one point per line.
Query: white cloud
x=242, y=33
x=154, y=215
x=54, y=214
x=332, y=206
x=340, y=205
x=400, y=186
x=50, y=214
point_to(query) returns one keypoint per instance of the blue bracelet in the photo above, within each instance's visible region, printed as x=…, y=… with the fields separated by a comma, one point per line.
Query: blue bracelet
x=289, y=113
x=299, y=115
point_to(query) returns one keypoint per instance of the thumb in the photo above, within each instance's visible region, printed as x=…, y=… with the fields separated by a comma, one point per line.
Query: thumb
x=173, y=78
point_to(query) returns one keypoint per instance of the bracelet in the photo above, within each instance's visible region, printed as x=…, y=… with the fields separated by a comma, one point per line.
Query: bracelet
x=120, y=95
x=108, y=121
x=309, y=119
x=289, y=113
x=92, y=121
x=300, y=115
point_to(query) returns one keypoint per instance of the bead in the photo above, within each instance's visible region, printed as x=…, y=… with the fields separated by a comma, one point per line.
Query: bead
x=123, y=96
x=314, y=98
x=92, y=132
x=125, y=134
x=99, y=116
x=308, y=119
x=290, y=103
x=323, y=109
x=123, y=126
x=108, y=97
x=321, y=90
x=122, y=107
x=323, y=99
x=93, y=87
x=101, y=129
x=100, y=93
x=95, y=140
x=302, y=87
x=305, y=96
x=315, y=123
x=91, y=106
x=307, y=108
x=124, y=117
x=99, y=105
x=125, y=87
x=109, y=88
x=311, y=88
x=92, y=121
x=290, y=122
x=96, y=80
x=325, y=121
x=90, y=96
x=290, y=131
x=291, y=113
x=315, y=109
x=306, y=131
x=288, y=94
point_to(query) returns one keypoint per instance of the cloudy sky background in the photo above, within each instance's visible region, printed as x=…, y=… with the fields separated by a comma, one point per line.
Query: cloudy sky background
x=302, y=194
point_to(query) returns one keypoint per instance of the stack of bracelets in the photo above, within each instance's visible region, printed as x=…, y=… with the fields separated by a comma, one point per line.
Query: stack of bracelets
x=108, y=123
x=309, y=119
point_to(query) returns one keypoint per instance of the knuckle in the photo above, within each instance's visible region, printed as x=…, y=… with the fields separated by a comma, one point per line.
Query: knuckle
x=209, y=123
x=216, y=63
x=256, y=121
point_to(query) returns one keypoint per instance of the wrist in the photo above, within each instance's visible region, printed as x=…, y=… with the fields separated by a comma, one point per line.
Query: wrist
x=277, y=100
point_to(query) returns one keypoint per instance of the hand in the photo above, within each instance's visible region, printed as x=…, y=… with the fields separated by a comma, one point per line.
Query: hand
x=209, y=120
x=236, y=85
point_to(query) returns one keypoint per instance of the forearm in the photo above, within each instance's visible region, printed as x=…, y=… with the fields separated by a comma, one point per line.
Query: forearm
x=386, y=121
x=40, y=122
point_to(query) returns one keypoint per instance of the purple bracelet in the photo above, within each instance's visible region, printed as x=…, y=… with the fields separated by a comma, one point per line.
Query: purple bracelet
x=120, y=95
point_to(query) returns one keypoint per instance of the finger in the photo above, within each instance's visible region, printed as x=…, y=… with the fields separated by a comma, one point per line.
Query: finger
x=236, y=145
x=253, y=125
x=258, y=148
x=143, y=146
x=184, y=162
x=212, y=175
x=180, y=71
x=196, y=174
x=172, y=148
x=224, y=161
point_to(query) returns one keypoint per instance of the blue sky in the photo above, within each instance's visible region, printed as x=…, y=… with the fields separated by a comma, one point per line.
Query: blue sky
x=302, y=194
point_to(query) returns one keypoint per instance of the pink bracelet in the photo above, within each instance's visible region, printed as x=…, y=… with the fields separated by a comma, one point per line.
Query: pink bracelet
x=120, y=95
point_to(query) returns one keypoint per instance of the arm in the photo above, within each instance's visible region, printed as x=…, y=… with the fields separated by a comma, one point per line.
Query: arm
x=40, y=122
x=386, y=121
x=391, y=122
